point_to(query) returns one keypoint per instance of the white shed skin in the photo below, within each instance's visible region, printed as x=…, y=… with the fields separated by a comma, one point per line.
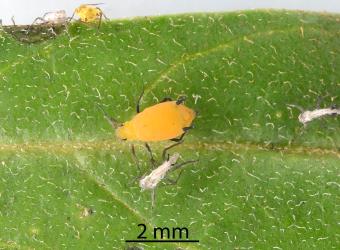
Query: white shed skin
x=308, y=116
x=151, y=181
x=56, y=17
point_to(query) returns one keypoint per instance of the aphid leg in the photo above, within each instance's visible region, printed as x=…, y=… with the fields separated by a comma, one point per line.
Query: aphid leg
x=34, y=22
x=52, y=31
x=178, y=139
x=177, y=166
x=320, y=99
x=135, y=157
x=185, y=129
x=164, y=154
x=100, y=19
x=180, y=100
x=137, y=164
x=173, y=182
x=153, y=197
x=139, y=100
x=38, y=19
x=105, y=16
x=166, y=99
x=43, y=17
x=153, y=162
x=70, y=18
x=12, y=19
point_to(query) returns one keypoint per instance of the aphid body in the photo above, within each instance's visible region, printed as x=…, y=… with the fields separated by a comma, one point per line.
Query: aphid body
x=151, y=181
x=88, y=13
x=163, y=121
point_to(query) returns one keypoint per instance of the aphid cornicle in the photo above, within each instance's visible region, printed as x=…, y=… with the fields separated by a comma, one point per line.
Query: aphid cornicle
x=163, y=121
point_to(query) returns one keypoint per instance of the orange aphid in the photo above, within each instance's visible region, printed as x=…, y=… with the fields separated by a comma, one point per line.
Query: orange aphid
x=163, y=121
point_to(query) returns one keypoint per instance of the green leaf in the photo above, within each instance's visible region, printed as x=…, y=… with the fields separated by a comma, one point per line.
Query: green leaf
x=262, y=180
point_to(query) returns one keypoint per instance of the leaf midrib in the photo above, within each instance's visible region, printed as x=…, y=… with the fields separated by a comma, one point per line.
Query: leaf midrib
x=69, y=147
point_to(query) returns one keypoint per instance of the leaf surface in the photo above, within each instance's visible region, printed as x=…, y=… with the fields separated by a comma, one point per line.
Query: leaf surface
x=262, y=180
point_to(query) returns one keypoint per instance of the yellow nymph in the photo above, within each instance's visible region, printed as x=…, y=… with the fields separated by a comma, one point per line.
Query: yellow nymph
x=88, y=13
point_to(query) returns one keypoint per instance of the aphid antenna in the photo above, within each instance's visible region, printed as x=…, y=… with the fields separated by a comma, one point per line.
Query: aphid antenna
x=114, y=123
x=94, y=4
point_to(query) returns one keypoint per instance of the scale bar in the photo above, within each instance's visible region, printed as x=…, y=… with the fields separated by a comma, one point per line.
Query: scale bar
x=164, y=241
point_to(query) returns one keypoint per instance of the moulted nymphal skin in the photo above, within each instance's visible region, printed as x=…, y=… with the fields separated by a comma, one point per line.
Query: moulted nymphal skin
x=307, y=116
x=152, y=180
x=56, y=17
x=310, y=115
